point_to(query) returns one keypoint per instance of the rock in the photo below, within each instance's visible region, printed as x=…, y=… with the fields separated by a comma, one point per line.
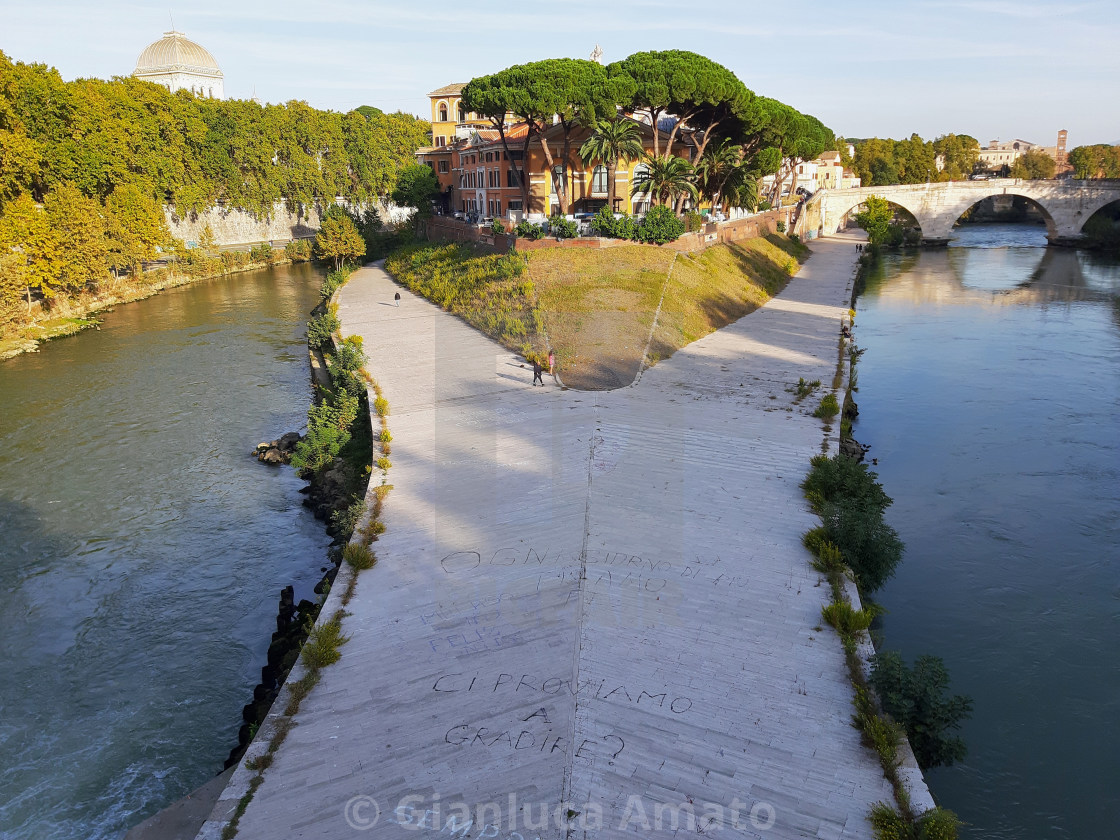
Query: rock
x=287, y=442
x=271, y=456
x=852, y=449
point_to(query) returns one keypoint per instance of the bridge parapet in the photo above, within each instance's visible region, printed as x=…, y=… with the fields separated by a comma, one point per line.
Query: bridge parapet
x=1066, y=205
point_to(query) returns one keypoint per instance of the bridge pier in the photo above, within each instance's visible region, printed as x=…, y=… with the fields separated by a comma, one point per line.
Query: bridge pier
x=935, y=241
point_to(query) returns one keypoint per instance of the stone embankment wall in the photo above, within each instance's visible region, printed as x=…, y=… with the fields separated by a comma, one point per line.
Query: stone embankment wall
x=233, y=226
x=452, y=230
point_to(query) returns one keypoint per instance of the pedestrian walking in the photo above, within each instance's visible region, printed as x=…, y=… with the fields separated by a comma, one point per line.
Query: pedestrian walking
x=537, y=371
x=397, y=298
x=551, y=363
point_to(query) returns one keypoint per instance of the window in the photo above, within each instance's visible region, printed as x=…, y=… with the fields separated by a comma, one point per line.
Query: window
x=462, y=114
x=557, y=177
x=443, y=166
x=441, y=141
x=443, y=113
x=515, y=204
x=513, y=178
x=498, y=207
x=599, y=180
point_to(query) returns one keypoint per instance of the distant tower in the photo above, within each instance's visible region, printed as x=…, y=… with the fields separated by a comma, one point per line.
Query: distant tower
x=1060, y=149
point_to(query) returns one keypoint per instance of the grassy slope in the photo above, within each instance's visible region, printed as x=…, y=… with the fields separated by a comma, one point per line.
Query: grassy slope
x=595, y=307
x=598, y=305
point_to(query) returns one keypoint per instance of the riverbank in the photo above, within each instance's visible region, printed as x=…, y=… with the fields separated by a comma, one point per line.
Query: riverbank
x=68, y=316
x=590, y=598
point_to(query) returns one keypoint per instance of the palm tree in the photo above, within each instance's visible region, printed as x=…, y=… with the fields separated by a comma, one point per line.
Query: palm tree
x=663, y=179
x=611, y=141
x=724, y=177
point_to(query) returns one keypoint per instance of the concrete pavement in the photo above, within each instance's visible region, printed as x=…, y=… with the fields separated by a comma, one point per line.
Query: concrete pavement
x=592, y=615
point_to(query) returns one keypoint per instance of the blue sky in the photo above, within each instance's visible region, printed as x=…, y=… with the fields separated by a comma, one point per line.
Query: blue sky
x=994, y=69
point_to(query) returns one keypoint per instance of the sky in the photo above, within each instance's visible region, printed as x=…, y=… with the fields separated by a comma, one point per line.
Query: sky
x=994, y=69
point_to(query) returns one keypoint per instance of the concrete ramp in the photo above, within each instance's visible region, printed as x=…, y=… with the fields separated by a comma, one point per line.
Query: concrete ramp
x=591, y=616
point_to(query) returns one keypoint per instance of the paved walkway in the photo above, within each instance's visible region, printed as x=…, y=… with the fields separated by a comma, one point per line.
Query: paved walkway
x=597, y=599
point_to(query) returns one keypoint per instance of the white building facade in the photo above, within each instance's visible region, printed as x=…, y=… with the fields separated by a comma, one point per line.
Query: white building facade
x=178, y=63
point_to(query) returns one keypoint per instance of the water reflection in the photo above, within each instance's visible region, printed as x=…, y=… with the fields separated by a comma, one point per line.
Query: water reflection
x=992, y=403
x=143, y=548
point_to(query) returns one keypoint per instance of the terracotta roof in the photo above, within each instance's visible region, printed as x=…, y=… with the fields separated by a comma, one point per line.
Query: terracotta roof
x=448, y=90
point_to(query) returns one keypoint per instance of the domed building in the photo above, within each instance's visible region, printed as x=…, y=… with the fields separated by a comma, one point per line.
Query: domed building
x=178, y=63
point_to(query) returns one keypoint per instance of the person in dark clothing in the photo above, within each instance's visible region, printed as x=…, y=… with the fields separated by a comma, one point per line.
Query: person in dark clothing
x=397, y=298
x=537, y=371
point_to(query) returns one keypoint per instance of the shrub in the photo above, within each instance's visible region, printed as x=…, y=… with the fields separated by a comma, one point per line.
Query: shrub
x=850, y=624
x=322, y=646
x=381, y=406
x=261, y=253
x=346, y=520
x=385, y=436
x=345, y=366
x=780, y=226
x=383, y=463
x=850, y=502
x=358, y=557
x=936, y=824
x=528, y=230
x=917, y=699
x=563, y=228
x=693, y=221
x=321, y=329
x=659, y=226
x=603, y=222
x=298, y=250
x=496, y=227
x=333, y=282
x=828, y=408
x=328, y=430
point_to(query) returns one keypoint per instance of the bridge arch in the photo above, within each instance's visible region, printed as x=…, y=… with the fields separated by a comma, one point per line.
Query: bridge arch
x=1065, y=205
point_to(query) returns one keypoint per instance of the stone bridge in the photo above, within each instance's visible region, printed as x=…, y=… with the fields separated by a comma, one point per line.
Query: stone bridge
x=1065, y=205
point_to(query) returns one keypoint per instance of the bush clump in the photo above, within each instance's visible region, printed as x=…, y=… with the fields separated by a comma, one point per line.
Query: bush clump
x=563, y=228
x=659, y=226
x=321, y=329
x=850, y=502
x=828, y=408
x=528, y=230
x=916, y=697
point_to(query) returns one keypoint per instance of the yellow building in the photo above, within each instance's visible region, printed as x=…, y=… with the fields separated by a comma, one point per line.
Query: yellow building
x=449, y=120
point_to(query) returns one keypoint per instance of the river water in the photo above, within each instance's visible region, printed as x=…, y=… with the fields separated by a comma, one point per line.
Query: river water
x=990, y=394
x=143, y=550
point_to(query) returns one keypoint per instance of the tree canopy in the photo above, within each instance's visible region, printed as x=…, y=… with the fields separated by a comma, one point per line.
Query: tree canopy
x=882, y=162
x=675, y=91
x=1100, y=161
x=1034, y=165
x=86, y=167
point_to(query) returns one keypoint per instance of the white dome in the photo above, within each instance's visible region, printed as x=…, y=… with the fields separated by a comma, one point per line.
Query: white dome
x=175, y=52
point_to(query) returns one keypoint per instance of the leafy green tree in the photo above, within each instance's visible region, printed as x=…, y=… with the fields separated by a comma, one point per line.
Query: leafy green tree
x=612, y=141
x=27, y=236
x=916, y=698
x=136, y=228
x=573, y=91
x=663, y=179
x=1034, y=165
x=20, y=164
x=338, y=238
x=80, y=227
x=876, y=218
x=959, y=154
x=1099, y=161
x=416, y=186
x=701, y=94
